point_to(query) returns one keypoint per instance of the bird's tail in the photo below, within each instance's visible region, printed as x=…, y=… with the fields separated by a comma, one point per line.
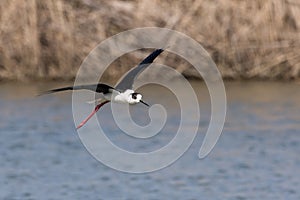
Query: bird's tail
x=95, y=101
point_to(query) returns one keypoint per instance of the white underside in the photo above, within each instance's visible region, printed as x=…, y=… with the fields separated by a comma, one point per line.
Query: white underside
x=123, y=97
x=116, y=97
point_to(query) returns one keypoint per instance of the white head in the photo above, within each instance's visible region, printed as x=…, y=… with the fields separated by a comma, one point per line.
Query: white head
x=136, y=98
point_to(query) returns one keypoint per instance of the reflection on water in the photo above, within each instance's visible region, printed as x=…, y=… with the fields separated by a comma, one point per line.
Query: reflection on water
x=257, y=157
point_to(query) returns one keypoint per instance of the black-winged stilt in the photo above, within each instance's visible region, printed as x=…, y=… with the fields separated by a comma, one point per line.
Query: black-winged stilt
x=121, y=93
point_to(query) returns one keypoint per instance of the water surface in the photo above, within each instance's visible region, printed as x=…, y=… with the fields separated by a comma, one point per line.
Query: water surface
x=257, y=156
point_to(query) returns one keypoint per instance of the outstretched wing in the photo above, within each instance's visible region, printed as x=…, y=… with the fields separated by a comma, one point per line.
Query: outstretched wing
x=99, y=88
x=127, y=80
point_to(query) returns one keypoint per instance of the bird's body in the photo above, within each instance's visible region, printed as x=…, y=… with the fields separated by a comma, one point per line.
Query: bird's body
x=121, y=93
x=128, y=96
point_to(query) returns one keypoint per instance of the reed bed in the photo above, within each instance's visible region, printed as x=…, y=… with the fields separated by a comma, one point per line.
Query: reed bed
x=254, y=39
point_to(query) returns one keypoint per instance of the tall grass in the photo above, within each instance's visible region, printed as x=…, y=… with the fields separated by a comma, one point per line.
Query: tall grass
x=247, y=39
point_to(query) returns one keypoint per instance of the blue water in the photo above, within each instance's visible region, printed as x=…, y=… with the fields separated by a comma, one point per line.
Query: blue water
x=257, y=156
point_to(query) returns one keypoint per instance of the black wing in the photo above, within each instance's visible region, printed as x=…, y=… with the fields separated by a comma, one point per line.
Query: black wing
x=127, y=80
x=100, y=88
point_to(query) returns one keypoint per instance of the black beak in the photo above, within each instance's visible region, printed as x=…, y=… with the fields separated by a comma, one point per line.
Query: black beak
x=144, y=103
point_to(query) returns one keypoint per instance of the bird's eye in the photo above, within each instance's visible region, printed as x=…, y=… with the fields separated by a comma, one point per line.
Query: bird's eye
x=134, y=95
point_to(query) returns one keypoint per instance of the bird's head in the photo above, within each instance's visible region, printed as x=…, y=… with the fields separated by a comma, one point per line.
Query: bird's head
x=136, y=98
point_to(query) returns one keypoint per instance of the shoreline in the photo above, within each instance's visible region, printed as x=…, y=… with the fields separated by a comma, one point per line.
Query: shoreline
x=111, y=81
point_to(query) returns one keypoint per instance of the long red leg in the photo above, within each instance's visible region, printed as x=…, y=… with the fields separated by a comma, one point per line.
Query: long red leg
x=94, y=111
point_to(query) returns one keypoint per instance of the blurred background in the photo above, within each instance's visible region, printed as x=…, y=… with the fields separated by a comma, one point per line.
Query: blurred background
x=247, y=39
x=255, y=45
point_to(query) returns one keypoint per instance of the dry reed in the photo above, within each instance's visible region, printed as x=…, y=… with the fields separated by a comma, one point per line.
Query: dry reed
x=247, y=39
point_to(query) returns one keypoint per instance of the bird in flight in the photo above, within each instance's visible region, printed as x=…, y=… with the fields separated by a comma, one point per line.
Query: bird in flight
x=121, y=93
